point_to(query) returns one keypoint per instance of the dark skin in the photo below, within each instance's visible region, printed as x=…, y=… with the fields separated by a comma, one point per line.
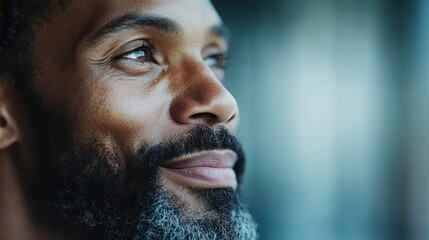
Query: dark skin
x=123, y=86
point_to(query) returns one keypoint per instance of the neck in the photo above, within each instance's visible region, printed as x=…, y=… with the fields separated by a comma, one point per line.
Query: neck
x=14, y=221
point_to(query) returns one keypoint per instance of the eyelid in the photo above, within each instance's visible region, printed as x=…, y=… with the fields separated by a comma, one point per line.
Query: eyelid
x=122, y=61
x=135, y=46
x=220, y=58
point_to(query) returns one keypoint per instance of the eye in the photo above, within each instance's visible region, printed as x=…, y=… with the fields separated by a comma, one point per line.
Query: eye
x=216, y=61
x=137, y=58
x=142, y=54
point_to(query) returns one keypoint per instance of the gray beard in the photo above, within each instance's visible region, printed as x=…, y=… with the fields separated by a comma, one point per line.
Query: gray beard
x=160, y=217
x=166, y=221
x=87, y=198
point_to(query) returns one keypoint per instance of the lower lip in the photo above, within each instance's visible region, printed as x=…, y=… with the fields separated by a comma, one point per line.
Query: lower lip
x=202, y=177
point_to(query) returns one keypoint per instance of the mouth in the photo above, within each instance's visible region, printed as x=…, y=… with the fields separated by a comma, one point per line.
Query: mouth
x=208, y=169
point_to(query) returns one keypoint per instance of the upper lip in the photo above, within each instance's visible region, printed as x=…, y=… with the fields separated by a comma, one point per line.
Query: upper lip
x=211, y=159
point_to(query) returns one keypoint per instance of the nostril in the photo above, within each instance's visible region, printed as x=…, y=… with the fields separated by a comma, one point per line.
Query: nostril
x=205, y=116
x=231, y=118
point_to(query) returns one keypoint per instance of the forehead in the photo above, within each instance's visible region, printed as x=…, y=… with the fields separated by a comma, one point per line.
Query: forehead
x=94, y=14
x=83, y=18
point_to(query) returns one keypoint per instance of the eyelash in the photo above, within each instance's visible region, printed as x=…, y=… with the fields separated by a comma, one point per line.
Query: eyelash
x=149, y=50
x=147, y=47
x=222, y=60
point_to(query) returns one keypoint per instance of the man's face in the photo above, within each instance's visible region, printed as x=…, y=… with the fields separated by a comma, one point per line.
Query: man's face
x=134, y=122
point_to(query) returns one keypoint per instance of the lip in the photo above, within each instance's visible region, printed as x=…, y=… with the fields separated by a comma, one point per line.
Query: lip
x=207, y=169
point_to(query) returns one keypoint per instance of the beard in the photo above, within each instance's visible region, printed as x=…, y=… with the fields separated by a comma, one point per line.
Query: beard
x=82, y=194
x=77, y=192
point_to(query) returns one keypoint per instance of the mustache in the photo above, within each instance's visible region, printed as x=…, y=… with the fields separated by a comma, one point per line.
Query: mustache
x=200, y=138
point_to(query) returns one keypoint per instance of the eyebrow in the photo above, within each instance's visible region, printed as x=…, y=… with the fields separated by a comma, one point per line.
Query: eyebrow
x=221, y=31
x=138, y=21
x=159, y=23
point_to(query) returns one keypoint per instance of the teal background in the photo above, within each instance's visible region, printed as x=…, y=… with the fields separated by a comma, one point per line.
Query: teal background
x=334, y=101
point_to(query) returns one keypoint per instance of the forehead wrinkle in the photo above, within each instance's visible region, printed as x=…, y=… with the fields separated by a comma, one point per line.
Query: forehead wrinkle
x=128, y=22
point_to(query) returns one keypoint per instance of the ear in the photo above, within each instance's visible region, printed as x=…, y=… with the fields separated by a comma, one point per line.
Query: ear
x=8, y=125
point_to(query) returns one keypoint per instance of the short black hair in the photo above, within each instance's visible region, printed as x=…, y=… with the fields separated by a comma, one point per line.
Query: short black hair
x=17, y=18
x=9, y=21
x=9, y=26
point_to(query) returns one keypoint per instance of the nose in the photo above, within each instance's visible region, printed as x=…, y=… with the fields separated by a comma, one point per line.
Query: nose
x=204, y=100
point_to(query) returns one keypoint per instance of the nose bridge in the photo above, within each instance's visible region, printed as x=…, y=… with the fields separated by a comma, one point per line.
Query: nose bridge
x=202, y=99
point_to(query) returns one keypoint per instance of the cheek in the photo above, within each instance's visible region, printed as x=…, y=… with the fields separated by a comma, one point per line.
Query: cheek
x=132, y=115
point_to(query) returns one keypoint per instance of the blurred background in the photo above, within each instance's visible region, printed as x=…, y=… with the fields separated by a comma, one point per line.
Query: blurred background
x=334, y=100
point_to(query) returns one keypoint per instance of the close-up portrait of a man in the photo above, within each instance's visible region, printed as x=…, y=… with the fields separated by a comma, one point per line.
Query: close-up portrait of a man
x=115, y=123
